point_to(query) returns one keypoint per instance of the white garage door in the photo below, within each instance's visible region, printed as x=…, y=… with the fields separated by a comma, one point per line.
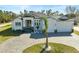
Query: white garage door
x=64, y=26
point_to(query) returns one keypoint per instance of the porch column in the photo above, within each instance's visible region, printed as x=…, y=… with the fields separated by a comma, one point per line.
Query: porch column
x=32, y=23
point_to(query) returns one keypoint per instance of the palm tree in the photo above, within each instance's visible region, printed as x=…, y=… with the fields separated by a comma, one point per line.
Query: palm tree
x=25, y=13
x=21, y=14
x=48, y=12
x=42, y=11
x=45, y=30
x=71, y=10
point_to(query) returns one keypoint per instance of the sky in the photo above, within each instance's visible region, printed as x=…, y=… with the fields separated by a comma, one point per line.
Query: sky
x=18, y=8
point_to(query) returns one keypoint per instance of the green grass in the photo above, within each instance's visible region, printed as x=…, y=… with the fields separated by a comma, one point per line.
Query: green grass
x=6, y=33
x=56, y=48
x=76, y=32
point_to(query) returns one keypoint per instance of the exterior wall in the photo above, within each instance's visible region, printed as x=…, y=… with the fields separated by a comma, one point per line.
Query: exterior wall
x=51, y=25
x=14, y=27
x=42, y=25
x=12, y=24
x=64, y=26
x=60, y=26
x=28, y=18
x=32, y=23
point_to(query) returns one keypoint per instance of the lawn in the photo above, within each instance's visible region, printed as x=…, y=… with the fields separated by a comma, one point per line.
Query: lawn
x=6, y=33
x=56, y=48
x=76, y=32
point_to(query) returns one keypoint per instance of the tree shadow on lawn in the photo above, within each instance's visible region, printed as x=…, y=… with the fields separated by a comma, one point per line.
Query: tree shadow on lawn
x=41, y=35
x=9, y=32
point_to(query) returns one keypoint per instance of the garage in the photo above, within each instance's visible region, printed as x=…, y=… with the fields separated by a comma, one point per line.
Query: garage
x=64, y=26
x=55, y=25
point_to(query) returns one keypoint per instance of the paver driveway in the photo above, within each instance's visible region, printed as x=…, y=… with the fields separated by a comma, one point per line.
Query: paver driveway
x=19, y=43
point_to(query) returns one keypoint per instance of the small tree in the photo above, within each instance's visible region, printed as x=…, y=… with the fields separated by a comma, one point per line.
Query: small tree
x=45, y=30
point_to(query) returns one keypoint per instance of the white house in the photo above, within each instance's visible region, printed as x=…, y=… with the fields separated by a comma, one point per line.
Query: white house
x=54, y=25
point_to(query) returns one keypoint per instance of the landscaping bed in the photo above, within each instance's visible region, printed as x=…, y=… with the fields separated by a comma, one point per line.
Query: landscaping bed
x=76, y=32
x=56, y=48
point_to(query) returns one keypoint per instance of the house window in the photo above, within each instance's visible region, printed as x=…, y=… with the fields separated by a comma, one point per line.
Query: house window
x=18, y=23
x=37, y=22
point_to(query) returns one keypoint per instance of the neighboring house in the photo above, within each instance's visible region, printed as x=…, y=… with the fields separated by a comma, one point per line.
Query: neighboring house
x=60, y=24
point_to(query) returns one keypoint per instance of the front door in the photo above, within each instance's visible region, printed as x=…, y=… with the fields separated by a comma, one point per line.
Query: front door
x=28, y=23
x=28, y=28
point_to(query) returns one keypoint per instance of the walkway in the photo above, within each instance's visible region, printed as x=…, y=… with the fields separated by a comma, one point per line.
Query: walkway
x=19, y=43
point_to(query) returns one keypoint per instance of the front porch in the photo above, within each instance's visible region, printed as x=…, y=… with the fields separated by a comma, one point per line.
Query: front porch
x=28, y=30
x=32, y=25
x=28, y=25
